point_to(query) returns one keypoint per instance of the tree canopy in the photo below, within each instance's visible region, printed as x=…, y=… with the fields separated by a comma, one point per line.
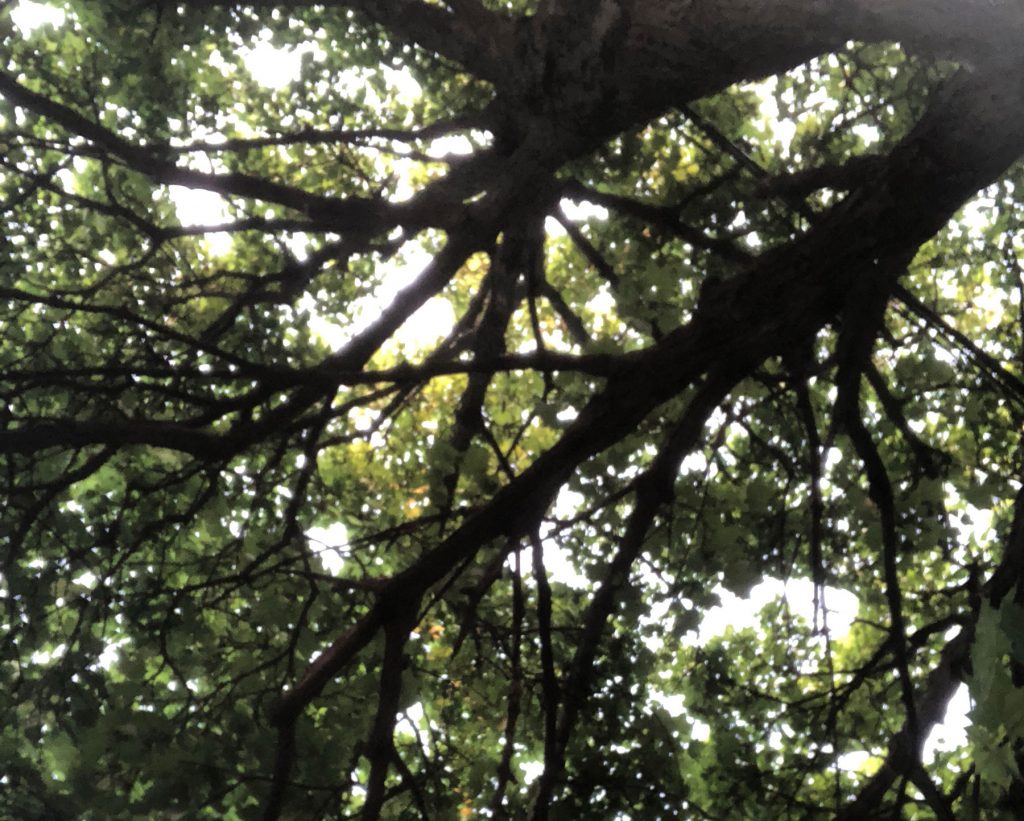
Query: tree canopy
x=528, y=335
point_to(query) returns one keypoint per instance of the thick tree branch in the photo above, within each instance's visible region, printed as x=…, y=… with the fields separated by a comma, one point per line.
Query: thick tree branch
x=469, y=34
x=559, y=92
x=380, y=747
x=744, y=321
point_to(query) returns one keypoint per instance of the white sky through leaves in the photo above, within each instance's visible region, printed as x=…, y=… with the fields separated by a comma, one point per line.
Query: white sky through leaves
x=276, y=67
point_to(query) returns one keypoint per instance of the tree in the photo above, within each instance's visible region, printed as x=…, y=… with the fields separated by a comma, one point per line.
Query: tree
x=252, y=572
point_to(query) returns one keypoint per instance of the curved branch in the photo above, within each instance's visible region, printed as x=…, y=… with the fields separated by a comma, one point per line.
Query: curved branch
x=903, y=757
x=653, y=490
x=350, y=214
x=777, y=304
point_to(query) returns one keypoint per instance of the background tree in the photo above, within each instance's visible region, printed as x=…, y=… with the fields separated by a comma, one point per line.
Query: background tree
x=251, y=571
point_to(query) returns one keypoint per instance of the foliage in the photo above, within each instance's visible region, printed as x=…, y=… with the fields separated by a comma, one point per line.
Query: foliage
x=523, y=336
